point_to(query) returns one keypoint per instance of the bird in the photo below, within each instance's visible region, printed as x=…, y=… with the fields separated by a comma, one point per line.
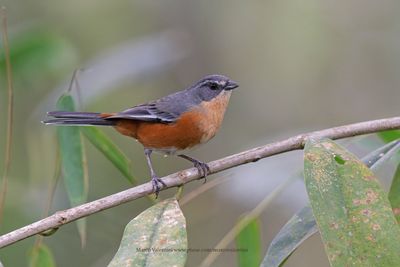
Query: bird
x=173, y=123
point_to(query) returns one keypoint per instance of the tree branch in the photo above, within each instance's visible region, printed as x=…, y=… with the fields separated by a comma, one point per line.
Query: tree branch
x=182, y=177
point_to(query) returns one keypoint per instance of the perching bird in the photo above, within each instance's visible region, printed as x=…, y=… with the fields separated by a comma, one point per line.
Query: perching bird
x=175, y=122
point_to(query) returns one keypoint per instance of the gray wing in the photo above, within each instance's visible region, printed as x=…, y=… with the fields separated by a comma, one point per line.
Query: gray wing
x=146, y=112
x=165, y=110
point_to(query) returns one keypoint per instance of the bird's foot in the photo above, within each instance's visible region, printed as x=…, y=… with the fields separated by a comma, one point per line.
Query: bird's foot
x=203, y=169
x=157, y=184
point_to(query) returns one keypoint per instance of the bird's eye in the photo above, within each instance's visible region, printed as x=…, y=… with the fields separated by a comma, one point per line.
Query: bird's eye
x=213, y=86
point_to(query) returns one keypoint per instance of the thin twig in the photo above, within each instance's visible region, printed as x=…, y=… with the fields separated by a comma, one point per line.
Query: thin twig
x=7, y=157
x=182, y=177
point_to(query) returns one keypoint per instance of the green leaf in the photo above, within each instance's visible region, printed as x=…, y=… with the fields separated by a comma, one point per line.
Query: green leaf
x=248, y=243
x=72, y=156
x=389, y=136
x=352, y=211
x=41, y=256
x=103, y=143
x=73, y=161
x=302, y=225
x=156, y=237
x=394, y=194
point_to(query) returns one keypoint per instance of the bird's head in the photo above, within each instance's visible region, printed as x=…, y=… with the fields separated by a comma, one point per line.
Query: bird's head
x=213, y=85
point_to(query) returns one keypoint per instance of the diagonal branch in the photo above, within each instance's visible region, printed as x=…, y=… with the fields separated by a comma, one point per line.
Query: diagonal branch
x=182, y=177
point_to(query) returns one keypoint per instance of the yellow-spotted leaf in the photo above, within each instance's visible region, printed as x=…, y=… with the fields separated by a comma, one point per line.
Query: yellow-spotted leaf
x=302, y=225
x=156, y=237
x=394, y=194
x=352, y=211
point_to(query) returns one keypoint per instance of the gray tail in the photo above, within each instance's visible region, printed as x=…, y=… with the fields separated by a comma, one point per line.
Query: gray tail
x=77, y=118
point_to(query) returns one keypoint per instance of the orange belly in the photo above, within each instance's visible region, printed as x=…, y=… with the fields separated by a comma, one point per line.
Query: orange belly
x=192, y=128
x=174, y=136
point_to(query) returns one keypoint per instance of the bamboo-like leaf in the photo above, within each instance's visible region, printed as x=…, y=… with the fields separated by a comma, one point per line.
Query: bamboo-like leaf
x=302, y=225
x=248, y=243
x=104, y=144
x=41, y=256
x=73, y=161
x=376, y=158
x=156, y=237
x=352, y=211
x=394, y=194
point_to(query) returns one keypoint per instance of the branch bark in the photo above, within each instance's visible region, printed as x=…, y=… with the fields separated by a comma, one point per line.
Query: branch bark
x=182, y=177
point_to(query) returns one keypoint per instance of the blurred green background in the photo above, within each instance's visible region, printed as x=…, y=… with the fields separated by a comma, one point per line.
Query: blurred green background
x=301, y=65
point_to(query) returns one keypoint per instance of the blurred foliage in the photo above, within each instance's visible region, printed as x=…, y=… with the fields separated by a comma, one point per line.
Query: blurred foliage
x=41, y=256
x=36, y=53
x=248, y=244
x=389, y=136
x=103, y=143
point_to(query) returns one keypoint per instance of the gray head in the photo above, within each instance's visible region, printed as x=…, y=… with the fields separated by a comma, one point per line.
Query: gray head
x=212, y=85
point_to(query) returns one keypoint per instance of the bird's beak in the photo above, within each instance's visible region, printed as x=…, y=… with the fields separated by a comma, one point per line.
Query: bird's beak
x=231, y=85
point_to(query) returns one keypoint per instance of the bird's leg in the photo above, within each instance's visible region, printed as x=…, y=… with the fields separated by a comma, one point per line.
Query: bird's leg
x=155, y=180
x=202, y=167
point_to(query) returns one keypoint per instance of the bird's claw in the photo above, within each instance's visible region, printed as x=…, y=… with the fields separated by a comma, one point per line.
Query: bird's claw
x=157, y=184
x=203, y=169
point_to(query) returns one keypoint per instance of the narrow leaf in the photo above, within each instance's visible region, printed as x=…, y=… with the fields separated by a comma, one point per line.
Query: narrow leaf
x=394, y=194
x=103, y=143
x=302, y=225
x=156, y=237
x=388, y=136
x=352, y=211
x=41, y=256
x=376, y=158
x=81, y=225
x=73, y=161
x=248, y=243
